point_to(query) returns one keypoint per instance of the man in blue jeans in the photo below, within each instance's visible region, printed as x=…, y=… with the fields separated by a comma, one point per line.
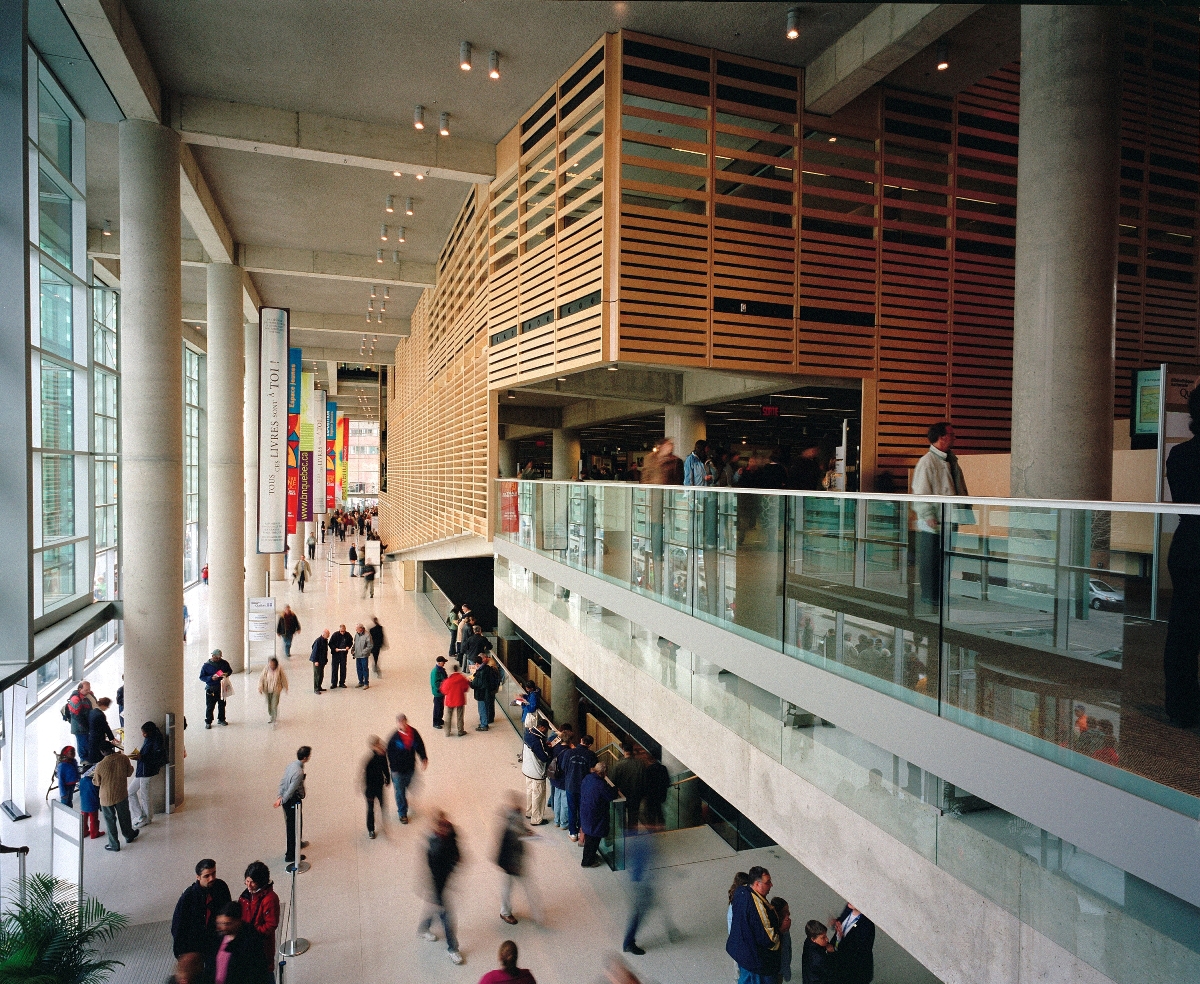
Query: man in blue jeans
x=403, y=751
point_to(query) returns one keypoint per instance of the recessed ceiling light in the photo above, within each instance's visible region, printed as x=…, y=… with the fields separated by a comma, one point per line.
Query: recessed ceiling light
x=444, y=124
x=464, y=56
x=943, y=56
x=612, y=368
x=387, y=293
x=493, y=64
x=396, y=174
x=372, y=291
x=419, y=118
x=793, y=24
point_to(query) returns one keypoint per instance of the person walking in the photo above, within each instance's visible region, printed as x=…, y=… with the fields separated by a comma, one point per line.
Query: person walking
x=111, y=777
x=260, y=908
x=484, y=683
x=596, y=794
x=377, y=642
x=151, y=757
x=319, y=657
x=510, y=856
x=535, y=757
x=629, y=776
x=291, y=792
x=312, y=546
x=194, y=922
x=937, y=473
x=271, y=683
x=753, y=941
x=302, y=572
x=340, y=644
x=362, y=656
x=578, y=763
x=442, y=856
x=640, y=857
x=376, y=774
x=214, y=674
x=287, y=626
x=353, y=560
x=455, y=688
x=656, y=783
x=855, y=947
x=509, y=972
x=404, y=749
x=79, y=705
x=101, y=739
x=368, y=576
x=437, y=677
x=239, y=958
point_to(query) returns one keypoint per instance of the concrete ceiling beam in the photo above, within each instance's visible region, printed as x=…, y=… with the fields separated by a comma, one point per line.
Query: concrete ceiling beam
x=629, y=383
x=112, y=42
x=285, y=261
x=100, y=246
x=703, y=388
x=330, y=140
x=875, y=47
x=588, y=413
x=542, y=417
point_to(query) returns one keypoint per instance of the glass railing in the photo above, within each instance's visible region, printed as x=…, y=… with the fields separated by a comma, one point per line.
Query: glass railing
x=1042, y=625
x=1130, y=930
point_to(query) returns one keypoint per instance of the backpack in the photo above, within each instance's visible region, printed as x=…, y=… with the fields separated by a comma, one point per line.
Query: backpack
x=552, y=768
x=66, y=712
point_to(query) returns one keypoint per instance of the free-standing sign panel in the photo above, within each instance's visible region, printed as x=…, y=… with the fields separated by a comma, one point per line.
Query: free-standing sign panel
x=272, y=429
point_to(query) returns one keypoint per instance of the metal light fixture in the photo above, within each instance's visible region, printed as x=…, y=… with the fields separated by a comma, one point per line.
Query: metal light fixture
x=400, y=234
x=383, y=233
x=378, y=256
x=419, y=118
x=387, y=293
x=943, y=56
x=388, y=206
x=793, y=24
x=107, y=231
x=395, y=256
x=444, y=124
x=464, y=56
x=372, y=292
x=493, y=64
x=408, y=206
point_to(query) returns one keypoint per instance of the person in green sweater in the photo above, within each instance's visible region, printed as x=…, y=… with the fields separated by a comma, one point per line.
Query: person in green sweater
x=436, y=676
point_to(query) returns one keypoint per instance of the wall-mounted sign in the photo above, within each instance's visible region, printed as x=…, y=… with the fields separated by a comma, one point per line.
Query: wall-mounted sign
x=769, y=410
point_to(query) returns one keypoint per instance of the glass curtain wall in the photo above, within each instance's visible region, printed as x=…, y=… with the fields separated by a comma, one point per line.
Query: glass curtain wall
x=60, y=360
x=105, y=321
x=192, y=412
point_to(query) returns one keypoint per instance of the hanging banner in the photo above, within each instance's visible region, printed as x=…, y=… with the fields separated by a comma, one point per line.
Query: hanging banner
x=330, y=456
x=272, y=429
x=510, y=516
x=318, y=425
x=304, y=512
x=293, y=438
x=344, y=456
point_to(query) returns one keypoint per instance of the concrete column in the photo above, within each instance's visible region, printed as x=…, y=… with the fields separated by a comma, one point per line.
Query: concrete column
x=508, y=459
x=256, y=564
x=504, y=626
x=1066, y=252
x=152, y=428
x=278, y=571
x=685, y=426
x=226, y=464
x=564, y=695
x=564, y=455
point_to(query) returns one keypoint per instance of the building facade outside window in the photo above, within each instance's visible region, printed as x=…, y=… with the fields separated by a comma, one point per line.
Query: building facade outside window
x=362, y=459
x=105, y=326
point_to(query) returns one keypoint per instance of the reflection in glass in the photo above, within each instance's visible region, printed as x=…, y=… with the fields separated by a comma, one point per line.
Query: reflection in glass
x=54, y=129
x=54, y=219
x=58, y=575
x=58, y=496
x=56, y=309
x=58, y=398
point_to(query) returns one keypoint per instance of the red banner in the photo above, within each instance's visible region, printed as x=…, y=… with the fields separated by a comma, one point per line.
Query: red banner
x=510, y=512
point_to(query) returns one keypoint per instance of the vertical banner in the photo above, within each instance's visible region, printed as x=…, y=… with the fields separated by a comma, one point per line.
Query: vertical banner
x=383, y=421
x=293, y=438
x=510, y=516
x=304, y=509
x=273, y=398
x=344, y=455
x=318, y=425
x=330, y=456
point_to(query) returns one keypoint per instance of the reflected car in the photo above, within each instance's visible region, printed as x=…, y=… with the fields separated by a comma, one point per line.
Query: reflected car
x=1104, y=596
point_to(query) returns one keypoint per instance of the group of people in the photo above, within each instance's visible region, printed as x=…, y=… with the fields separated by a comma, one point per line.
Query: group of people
x=760, y=941
x=336, y=648
x=108, y=781
x=217, y=940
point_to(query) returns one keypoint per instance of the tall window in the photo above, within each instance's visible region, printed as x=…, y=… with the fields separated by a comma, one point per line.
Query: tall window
x=60, y=367
x=105, y=319
x=191, y=466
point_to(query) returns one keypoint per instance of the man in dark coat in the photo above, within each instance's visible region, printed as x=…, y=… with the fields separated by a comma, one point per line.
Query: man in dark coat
x=340, y=644
x=319, y=657
x=754, y=941
x=100, y=736
x=214, y=671
x=194, y=924
x=855, y=947
x=596, y=794
x=404, y=748
x=577, y=764
x=442, y=856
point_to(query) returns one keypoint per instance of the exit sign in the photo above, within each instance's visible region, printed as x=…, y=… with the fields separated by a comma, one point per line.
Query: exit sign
x=770, y=411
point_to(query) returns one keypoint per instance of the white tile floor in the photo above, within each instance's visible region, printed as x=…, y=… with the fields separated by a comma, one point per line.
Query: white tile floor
x=360, y=903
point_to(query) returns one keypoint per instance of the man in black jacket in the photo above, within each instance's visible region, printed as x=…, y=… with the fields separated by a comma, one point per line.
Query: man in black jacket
x=319, y=657
x=403, y=751
x=340, y=644
x=376, y=633
x=484, y=685
x=855, y=946
x=194, y=924
x=247, y=963
x=443, y=857
x=215, y=670
x=100, y=736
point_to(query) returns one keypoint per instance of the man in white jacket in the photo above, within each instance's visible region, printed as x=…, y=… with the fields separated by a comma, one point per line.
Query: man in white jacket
x=937, y=473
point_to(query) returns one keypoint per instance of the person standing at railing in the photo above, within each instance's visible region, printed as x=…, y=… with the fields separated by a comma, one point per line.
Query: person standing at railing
x=937, y=473
x=1183, y=563
x=597, y=792
x=577, y=764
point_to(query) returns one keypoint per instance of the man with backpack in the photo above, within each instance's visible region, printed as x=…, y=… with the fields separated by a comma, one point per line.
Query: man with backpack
x=75, y=712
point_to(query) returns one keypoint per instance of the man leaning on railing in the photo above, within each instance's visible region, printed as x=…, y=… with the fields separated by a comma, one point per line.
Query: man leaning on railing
x=937, y=473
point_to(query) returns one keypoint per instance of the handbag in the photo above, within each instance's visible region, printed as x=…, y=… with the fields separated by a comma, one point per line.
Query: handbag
x=226, y=688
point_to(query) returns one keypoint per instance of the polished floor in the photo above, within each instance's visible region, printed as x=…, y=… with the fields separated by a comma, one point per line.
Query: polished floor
x=360, y=903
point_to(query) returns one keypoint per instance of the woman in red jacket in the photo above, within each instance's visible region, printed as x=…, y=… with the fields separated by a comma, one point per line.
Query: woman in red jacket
x=260, y=907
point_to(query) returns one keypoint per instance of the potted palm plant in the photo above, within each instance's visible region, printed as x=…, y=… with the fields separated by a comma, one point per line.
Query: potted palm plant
x=51, y=938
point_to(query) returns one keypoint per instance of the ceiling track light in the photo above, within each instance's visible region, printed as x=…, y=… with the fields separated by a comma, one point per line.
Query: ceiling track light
x=444, y=124
x=464, y=56
x=383, y=233
x=395, y=256
x=408, y=206
x=793, y=24
x=943, y=56
x=387, y=293
x=400, y=234
x=419, y=118
x=493, y=64
x=107, y=231
x=373, y=292
x=378, y=256
x=388, y=205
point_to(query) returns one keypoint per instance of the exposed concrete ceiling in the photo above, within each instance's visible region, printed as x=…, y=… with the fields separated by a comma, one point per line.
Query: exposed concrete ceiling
x=987, y=40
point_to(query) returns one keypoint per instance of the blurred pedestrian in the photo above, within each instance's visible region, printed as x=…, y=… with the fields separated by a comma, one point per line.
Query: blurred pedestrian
x=271, y=683
x=189, y=969
x=239, y=957
x=287, y=626
x=260, y=907
x=442, y=856
x=375, y=776
x=511, y=858
x=377, y=642
x=368, y=576
x=643, y=895
x=509, y=972
x=404, y=750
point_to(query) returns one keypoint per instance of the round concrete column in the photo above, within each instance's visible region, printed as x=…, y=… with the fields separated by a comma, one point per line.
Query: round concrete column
x=1067, y=199
x=256, y=563
x=685, y=426
x=564, y=455
x=278, y=569
x=507, y=451
x=564, y=695
x=152, y=427
x=226, y=464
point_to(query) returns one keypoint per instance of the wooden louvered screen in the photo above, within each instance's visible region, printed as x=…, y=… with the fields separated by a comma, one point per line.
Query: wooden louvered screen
x=546, y=233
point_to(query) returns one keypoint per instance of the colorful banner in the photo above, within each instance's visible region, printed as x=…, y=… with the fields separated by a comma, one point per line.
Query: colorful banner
x=272, y=429
x=318, y=424
x=510, y=515
x=293, y=438
x=304, y=513
x=330, y=455
x=343, y=457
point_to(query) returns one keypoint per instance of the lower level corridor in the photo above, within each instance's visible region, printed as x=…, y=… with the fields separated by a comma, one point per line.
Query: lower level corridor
x=360, y=903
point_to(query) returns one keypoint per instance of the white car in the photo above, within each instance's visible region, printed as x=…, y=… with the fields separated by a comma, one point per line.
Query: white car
x=1102, y=595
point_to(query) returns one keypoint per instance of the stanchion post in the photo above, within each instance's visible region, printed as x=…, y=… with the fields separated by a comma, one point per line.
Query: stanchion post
x=21, y=884
x=299, y=864
x=295, y=945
